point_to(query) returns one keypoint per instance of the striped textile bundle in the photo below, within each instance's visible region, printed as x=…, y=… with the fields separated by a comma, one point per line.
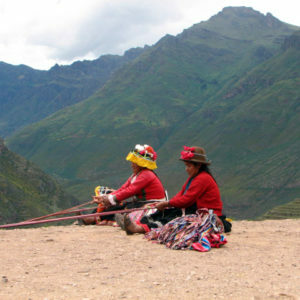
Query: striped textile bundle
x=197, y=231
x=138, y=215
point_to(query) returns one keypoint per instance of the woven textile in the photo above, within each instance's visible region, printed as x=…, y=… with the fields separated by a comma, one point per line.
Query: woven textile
x=197, y=232
x=136, y=216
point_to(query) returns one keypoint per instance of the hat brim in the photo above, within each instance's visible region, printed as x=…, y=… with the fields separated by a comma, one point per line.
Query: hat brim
x=196, y=161
x=141, y=161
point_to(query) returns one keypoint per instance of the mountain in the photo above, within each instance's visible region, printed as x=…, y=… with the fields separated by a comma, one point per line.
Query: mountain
x=290, y=210
x=28, y=95
x=26, y=191
x=251, y=131
x=229, y=84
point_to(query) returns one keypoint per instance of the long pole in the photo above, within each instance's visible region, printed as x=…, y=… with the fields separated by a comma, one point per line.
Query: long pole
x=60, y=213
x=72, y=217
x=65, y=211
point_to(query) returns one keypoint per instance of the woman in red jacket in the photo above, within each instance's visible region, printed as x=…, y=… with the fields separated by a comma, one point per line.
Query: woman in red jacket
x=200, y=188
x=199, y=191
x=143, y=185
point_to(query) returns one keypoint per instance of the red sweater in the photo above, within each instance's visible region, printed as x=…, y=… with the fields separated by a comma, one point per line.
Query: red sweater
x=146, y=186
x=203, y=190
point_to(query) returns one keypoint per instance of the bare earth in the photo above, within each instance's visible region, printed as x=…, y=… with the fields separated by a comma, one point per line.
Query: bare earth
x=260, y=261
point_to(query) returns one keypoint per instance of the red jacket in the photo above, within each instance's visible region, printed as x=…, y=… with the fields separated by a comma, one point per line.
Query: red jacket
x=203, y=191
x=146, y=186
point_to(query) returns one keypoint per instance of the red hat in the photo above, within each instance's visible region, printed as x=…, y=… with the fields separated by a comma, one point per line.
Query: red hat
x=194, y=154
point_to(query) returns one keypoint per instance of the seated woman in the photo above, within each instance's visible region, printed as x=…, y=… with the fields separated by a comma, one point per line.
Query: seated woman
x=143, y=185
x=199, y=191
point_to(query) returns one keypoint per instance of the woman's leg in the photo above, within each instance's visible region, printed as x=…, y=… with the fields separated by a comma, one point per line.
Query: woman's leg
x=119, y=218
x=104, y=220
x=88, y=221
x=131, y=227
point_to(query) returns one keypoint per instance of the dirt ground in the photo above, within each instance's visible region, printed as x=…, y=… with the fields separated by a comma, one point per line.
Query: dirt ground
x=260, y=261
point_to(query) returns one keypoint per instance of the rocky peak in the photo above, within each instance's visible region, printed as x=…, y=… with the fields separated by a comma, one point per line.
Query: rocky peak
x=238, y=11
x=248, y=12
x=272, y=22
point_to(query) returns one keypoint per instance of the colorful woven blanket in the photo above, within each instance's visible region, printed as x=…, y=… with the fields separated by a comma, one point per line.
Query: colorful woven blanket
x=197, y=232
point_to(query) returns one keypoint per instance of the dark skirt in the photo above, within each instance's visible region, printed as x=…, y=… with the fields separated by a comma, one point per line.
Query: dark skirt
x=161, y=218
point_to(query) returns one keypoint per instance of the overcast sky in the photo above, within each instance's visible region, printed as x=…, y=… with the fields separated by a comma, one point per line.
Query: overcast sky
x=41, y=33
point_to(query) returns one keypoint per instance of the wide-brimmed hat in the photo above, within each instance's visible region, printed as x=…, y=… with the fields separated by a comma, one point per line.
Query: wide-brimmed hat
x=194, y=154
x=144, y=156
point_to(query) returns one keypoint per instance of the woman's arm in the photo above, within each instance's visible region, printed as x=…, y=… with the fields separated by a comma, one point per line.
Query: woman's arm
x=163, y=205
x=195, y=190
x=142, y=180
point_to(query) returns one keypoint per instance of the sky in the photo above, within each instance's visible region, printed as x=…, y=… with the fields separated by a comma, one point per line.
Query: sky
x=42, y=33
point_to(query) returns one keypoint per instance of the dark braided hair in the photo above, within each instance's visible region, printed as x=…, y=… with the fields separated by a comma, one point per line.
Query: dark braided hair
x=204, y=168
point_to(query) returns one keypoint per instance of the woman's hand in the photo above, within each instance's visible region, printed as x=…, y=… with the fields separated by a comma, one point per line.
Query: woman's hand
x=103, y=199
x=162, y=205
x=97, y=199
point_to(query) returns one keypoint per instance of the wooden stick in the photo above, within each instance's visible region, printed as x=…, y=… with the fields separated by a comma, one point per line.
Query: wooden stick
x=65, y=211
x=26, y=223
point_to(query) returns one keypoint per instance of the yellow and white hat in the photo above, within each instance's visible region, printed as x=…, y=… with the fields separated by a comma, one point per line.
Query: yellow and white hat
x=144, y=156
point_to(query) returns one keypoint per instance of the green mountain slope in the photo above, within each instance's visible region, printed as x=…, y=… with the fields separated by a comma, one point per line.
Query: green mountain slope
x=290, y=210
x=26, y=191
x=251, y=132
x=208, y=86
x=28, y=95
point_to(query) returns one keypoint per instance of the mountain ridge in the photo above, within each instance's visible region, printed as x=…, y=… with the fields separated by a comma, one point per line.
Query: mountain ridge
x=45, y=92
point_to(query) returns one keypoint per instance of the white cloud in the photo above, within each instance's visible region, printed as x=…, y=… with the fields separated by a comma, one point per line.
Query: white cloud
x=42, y=33
x=112, y=29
